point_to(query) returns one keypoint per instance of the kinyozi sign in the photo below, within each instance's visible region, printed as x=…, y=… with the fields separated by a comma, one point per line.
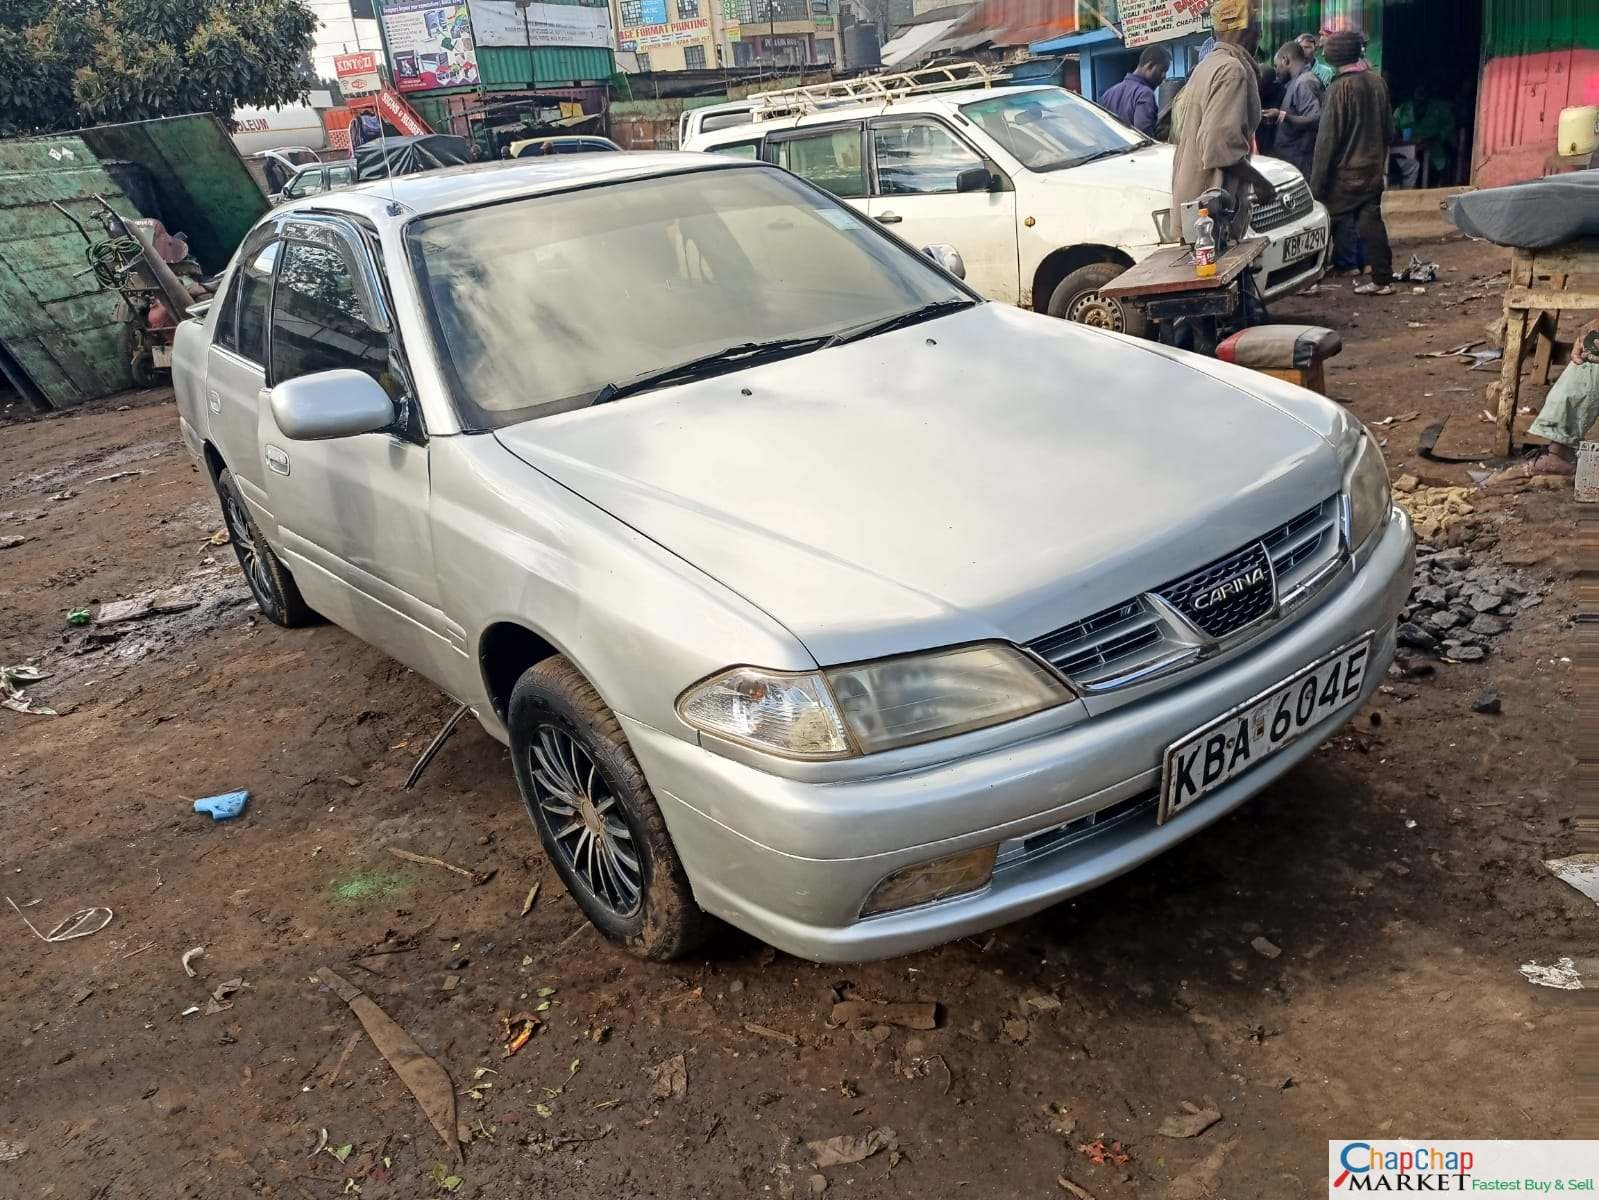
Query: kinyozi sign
x=1145, y=21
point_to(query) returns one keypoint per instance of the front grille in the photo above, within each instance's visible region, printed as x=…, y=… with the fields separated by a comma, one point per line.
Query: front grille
x=1016, y=851
x=1293, y=201
x=1136, y=640
x=1228, y=594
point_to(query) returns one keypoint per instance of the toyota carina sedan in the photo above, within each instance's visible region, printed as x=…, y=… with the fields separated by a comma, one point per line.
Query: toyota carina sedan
x=809, y=591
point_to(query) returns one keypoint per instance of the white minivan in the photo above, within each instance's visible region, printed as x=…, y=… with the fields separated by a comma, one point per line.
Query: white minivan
x=1046, y=196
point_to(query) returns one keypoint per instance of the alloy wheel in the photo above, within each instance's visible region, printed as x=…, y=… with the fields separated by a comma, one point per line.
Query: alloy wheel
x=585, y=819
x=244, y=546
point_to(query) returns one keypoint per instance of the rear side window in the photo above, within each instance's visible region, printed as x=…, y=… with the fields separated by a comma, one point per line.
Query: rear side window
x=339, y=177
x=241, y=325
x=749, y=150
x=829, y=158
x=724, y=120
x=317, y=322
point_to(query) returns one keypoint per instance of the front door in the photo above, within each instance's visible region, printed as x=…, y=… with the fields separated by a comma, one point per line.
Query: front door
x=916, y=163
x=353, y=512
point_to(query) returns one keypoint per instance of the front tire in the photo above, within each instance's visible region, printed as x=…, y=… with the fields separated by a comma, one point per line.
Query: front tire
x=596, y=817
x=274, y=589
x=1077, y=298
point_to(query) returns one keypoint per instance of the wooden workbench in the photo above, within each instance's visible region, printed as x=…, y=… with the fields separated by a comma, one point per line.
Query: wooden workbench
x=1165, y=287
x=1542, y=284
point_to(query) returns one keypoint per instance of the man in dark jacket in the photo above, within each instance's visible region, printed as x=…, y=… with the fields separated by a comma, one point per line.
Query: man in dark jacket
x=1350, y=168
x=1299, y=115
x=1133, y=99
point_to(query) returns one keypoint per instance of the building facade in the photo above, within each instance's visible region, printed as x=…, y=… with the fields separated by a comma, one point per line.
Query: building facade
x=690, y=35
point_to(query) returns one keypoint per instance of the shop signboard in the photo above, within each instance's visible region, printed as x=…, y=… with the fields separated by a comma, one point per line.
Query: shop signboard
x=1145, y=21
x=357, y=73
x=430, y=45
x=511, y=24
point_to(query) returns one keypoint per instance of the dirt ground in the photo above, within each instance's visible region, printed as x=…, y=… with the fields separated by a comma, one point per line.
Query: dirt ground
x=1398, y=871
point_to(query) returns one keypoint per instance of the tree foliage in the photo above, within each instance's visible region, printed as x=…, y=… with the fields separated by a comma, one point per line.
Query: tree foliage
x=72, y=63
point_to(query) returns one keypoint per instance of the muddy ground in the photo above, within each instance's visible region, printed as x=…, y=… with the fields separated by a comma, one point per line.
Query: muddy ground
x=1399, y=872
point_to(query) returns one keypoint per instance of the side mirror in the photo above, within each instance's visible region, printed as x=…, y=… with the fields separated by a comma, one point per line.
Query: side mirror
x=974, y=179
x=947, y=257
x=331, y=404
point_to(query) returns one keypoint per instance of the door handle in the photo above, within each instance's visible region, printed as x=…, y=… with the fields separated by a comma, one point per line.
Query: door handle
x=888, y=218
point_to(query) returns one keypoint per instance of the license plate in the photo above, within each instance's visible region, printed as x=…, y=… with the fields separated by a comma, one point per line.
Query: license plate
x=1236, y=741
x=1302, y=245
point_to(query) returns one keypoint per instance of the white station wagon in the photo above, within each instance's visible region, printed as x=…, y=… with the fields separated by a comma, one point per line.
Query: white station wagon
x=809, y=590
x=1046, y=196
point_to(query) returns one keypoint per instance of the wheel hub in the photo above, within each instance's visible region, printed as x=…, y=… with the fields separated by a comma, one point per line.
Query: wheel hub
x=1096, y=310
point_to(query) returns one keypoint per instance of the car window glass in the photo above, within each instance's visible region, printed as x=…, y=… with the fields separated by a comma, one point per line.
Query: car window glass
x=918, y=157
x=317, y=321
x=341, y=176
x=723, y=120
x=751, y=150
x=1048, y=129
x=248, y=321
x=538, y=302
x=310, y=183
x=829, y=158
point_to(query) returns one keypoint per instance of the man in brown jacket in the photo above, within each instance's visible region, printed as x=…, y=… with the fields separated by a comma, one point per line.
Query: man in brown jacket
x=1217, y=114
x=1350, y=168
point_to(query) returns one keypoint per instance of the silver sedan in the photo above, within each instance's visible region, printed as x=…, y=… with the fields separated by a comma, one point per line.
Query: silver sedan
x=809, y=591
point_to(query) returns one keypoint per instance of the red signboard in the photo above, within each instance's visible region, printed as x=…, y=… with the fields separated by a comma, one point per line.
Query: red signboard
x=358, y=73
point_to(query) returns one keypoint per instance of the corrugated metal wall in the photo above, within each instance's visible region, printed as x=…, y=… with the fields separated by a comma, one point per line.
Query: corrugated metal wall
x=556, y=66
x=1540, y=56
x=60, y=340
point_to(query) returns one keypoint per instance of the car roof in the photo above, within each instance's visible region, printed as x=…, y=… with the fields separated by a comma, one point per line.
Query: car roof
x=476, y=184
x=849, y=112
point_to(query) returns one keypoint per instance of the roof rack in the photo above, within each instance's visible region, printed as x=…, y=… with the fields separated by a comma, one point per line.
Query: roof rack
x=865, y=89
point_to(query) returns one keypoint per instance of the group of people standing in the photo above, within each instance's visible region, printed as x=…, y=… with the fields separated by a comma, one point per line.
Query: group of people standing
x=1334, y=122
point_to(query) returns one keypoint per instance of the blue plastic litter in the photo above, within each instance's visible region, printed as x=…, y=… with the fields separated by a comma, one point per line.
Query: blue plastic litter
x=224, y=807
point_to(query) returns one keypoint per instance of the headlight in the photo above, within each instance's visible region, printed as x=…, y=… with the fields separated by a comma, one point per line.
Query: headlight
x=1366, y=490
x=873, y=706
x=1163, y=225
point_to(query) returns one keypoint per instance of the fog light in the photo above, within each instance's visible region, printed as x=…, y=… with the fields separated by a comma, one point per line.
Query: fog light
x=936, y=880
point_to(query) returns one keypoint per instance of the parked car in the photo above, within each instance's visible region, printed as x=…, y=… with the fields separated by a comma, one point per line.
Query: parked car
x=711, y=117
x=1046, y=196
x=808, y=590
x=272, y=169
x=316, y=178
x=584, y=143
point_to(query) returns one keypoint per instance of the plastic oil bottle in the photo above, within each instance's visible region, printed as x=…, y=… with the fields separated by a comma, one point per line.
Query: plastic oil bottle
x=1204, y=245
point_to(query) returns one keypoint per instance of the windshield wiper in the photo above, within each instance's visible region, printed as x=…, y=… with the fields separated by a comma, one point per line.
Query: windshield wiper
x=1111, y=153
x=925, y=313
x=746, y=354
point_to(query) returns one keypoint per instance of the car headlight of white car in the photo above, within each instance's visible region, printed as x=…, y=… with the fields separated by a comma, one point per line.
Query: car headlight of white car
x=842, y=712
x=1366, y=491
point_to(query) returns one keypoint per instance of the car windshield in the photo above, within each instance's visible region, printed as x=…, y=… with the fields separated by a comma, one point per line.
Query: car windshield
x=538, y=303
x=1049, y=129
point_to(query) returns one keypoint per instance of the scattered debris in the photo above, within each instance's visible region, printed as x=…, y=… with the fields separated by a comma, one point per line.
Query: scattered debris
x=118, y=476
x=1488, y=703
x=189, y=956
x=1015, y=1030
x=444, y=1180
x=433, y=748
x=1416, y=271
x=223, y=807
x=1560, y=974
x=1581, y=871
x=79, y=924
x=515, y=1031
x=478, y=878
x=11, y=1151
x=532, y=896
x=1264, y=946
x=1201, y=1179
x=1098, y=1153
x=451, y=982
x=1397, y=419
x=1459, y=351
x=321, y=1141
x=427, y=1080
x=849, y=1148
x=1044, y=1003
x=13, y=681
x=1451, y=595
x=669, y=1079
x=1435, y=509
x=344, y=1057
x=1191, y=1122
x=1060, y=1118
x=777, y=1035
x=226, y=988
x=817, y=1184
x=1081, y=1193
x=78, y=616
x=151, y=604
x=858, y=1014
x=11, y=541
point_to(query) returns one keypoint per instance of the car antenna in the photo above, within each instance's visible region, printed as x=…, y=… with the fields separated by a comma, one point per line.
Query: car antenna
x=393, y=209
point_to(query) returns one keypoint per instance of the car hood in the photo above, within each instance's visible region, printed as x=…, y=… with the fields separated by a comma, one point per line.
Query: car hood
x=1149, y=168
x=990, y=474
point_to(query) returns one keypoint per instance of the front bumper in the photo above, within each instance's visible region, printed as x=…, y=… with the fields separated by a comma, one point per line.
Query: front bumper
x=1275, y=277
x=775, y=859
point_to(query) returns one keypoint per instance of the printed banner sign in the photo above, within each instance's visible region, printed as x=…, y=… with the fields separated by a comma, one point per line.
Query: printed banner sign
x=430, y=45
x=670, y=34
x=1145, y=21
x=357, y=73
x=508, y=23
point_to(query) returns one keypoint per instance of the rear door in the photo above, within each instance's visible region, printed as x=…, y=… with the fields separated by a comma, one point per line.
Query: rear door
x=915, y=162
x=235, y=385
x=833, y=157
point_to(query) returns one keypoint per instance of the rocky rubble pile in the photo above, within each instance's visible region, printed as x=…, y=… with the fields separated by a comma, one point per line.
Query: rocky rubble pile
x=1458, y=607
x=1433, y=509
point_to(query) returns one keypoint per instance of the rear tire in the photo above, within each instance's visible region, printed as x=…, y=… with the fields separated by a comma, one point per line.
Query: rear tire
x=596, y=816
x=1077, y=298
x=274, y=589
